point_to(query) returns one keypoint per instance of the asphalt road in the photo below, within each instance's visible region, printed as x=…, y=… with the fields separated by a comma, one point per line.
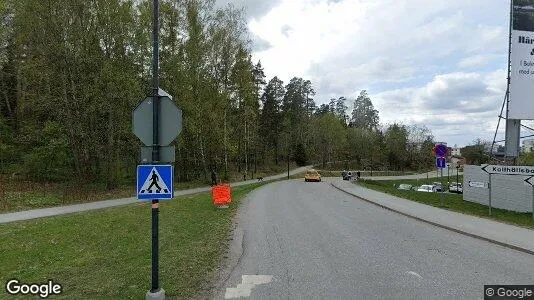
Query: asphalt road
x=311, y=241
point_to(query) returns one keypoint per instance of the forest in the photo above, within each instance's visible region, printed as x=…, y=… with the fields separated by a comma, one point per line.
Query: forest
x=70, y=76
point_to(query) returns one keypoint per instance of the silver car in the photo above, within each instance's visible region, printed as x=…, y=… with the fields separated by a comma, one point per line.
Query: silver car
x=426, y=188
x=403, y=186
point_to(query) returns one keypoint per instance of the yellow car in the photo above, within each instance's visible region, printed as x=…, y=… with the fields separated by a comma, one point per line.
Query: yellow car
x=312, y=175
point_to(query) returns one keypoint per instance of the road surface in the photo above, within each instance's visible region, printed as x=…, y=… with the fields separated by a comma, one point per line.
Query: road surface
x=297, y=240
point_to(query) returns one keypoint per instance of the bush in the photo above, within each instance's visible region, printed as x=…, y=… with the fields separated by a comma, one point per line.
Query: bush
x=51, y=160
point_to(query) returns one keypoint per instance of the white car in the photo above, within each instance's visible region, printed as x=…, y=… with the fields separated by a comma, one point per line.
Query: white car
x=456, y=188
x=426, y=188
x=403, y=186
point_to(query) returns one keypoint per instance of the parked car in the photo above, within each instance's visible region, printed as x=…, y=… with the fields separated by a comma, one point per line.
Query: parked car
x=437, y=186
x=404, y=186
x=456, y=188
x=426, y=188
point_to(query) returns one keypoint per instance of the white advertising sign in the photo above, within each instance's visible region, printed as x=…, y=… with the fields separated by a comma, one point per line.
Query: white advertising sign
x=521, y=105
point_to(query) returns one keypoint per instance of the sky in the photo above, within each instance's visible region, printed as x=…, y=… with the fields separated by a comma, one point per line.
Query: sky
x=438, y=63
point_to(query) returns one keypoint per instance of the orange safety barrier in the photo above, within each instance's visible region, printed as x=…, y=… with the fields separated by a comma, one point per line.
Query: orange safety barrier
x=221, y=194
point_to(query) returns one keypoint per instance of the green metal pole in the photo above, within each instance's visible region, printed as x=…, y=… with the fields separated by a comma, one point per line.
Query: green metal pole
x=442, y=188
x=155, y=148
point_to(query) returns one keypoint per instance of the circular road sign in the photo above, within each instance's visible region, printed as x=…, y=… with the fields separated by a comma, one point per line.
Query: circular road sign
x=440, y=150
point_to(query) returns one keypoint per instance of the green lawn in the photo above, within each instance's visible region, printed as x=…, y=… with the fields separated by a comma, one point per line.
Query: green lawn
x=35, y=195
x=328, y=173
x=105, y=254
x=418, y=182
x=18, y=195
x=452, y=202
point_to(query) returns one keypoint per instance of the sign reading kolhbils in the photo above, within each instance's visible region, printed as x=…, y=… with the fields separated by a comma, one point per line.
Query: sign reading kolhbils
x=521, y=86
x=509, y=170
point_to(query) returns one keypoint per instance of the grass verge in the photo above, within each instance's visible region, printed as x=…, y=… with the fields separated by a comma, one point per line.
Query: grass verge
x=453, y=202
x=329, y=173
x=19, y=195
x=105, y=254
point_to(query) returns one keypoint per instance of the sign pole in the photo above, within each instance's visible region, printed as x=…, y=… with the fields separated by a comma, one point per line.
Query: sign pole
x=155, y=291
x=442, y=188
x=532, y=185
x=448, y=179
x=489, y=186
x=457, y=167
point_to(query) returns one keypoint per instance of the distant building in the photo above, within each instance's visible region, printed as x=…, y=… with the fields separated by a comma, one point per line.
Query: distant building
x=528, y=146
x=455, y=151
x=457, y=161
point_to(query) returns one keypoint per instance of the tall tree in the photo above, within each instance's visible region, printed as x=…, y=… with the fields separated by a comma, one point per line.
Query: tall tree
x=396, y=140
x=477, y=152
x=341, y=109
x=364, y=115
x=271, y=115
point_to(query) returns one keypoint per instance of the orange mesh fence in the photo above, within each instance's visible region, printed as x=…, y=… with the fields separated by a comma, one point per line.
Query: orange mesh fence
x=221, y=194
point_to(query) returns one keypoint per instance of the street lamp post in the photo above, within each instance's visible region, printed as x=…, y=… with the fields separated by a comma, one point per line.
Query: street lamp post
x=287, y=165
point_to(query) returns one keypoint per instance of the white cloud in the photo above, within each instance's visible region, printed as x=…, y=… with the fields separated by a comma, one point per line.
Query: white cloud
x=420, y=60
x=341, y=80
x=477, y=60
x=456, y=106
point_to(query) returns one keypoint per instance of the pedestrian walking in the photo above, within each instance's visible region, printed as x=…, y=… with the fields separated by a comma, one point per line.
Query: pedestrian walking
x=213, y=178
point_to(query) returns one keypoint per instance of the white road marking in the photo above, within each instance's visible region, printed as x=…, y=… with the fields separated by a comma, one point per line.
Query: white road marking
x=247, y=284
x=414, y=274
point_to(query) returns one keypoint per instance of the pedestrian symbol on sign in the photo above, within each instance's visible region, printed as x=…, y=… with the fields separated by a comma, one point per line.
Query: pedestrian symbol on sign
x=154, y=182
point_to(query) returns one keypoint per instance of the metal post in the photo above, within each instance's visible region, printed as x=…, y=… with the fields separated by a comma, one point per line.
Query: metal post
x=371, y=164
x=288, y=165
x=442, y=188
x=489, y=186
x=533, y=202
x=155, y=291
x=457, y=168
x=155, y=94
x=509, y=62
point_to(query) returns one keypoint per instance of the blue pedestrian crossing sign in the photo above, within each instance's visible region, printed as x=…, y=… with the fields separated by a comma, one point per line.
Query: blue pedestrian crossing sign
x=441, y=162
x=154, y=182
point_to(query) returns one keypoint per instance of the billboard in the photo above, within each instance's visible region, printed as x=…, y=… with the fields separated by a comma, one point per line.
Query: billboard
x=521, y=89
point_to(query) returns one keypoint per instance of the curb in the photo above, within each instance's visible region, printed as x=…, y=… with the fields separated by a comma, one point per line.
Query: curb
x=439, y=224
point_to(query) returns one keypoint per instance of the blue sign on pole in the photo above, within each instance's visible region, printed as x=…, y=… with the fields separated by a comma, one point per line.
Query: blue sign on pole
x=441, y=162
x=154, y=182
x=440, y=150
